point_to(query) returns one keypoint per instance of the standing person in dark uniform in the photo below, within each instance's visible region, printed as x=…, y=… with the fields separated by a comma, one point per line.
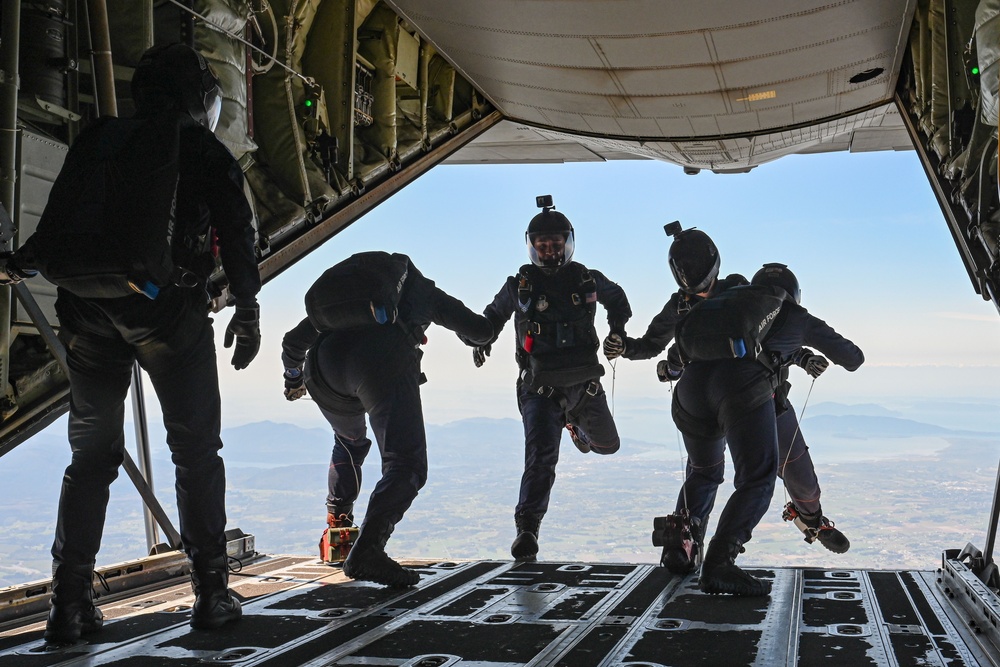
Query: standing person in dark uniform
x=170, y=336
x=554, y=302
x=795, y=466
x=375, y=369
x=715, y=402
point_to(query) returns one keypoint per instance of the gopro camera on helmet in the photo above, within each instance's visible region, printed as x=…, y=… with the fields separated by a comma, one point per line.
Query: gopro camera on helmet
x=544, y=201
x=672, y=228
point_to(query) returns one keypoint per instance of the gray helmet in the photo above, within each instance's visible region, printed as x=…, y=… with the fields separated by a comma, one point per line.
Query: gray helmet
x=175, y=76
x=781, y=276
x=694, y=259
x=550, y=222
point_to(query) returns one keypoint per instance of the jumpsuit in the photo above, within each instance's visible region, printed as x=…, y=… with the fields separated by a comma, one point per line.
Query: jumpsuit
x=576, y=400
x=171, y=338
x=716, y=402
x=376, y=370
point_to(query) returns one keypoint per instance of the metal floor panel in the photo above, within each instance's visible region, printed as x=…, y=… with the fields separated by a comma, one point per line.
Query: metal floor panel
x=298, y=611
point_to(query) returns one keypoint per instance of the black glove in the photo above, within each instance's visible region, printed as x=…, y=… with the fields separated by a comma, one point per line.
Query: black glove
x=814, y=364
x=10, y=272
x=480, y=353
x=667, y=371
x=295, y=387
x=614, y=346
x=244, y=328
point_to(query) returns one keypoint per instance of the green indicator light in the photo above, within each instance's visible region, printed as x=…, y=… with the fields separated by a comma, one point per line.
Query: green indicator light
x=309, y=103
x=975, y=70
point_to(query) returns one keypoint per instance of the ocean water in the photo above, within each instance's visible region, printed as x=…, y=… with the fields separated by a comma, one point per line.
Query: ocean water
x=851, y=450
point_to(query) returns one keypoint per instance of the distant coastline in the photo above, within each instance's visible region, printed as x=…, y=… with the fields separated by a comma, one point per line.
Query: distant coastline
x=902, y=489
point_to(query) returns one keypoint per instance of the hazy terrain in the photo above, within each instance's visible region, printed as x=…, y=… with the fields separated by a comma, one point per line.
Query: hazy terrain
x=903, y=483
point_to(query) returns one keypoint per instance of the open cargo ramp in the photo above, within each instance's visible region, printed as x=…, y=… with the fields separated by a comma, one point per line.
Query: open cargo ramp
x=298, y=611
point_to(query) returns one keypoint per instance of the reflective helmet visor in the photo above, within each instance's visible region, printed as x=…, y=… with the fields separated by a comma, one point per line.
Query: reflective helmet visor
x=550, y=250
x=549, y=223
x=694, y=261
x=214, y=111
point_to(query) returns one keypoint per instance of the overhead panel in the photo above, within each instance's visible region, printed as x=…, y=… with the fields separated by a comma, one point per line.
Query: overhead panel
x=724, y=154
x=641, y=71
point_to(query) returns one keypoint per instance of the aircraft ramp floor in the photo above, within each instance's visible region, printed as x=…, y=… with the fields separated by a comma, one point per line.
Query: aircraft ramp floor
x=298, y=611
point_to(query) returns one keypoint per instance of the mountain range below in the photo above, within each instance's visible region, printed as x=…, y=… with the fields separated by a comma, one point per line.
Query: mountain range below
x=902, y=488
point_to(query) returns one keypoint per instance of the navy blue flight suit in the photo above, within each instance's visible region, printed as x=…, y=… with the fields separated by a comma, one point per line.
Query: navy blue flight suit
x=376, y=370
x=559, y=369
x=172, y=339
x=715, y=402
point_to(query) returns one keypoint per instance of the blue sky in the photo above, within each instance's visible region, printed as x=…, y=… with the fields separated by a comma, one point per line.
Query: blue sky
x=862, y=232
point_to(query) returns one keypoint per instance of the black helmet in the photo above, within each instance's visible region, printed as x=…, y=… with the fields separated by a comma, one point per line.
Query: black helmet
x=549, y=222
x=177, y=76
x=781, y=276
x=694, y=260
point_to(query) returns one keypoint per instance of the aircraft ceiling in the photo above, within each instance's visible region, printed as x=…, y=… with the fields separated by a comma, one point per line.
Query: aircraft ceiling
x=717, y=85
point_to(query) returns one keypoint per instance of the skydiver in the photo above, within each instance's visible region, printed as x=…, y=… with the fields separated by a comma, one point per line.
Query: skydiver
x=375, y=369
x=795, y=466
x=554, y=302
x=715, y=402
x=170, y=337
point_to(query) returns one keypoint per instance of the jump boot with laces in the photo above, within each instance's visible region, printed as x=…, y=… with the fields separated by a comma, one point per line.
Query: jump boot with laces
x=525, y=545
x=214, y=605
x=369, y=562
x=720, y=574
x=817, y=527
x=71, y=610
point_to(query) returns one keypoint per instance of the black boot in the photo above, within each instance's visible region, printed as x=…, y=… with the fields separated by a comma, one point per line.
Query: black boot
x=719, y=573
x=72, y=612
x=818, y=527
x=682, y=539
x=214, y=605
x=525, y=545
x=369, y=562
